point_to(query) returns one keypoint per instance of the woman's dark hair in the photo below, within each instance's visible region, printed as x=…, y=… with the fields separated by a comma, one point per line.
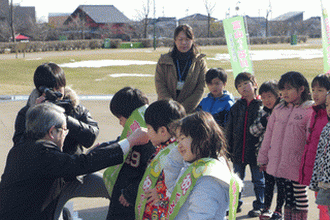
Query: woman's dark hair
x=126, y=100
x=49, y=75
x=296, y=80
x=208, y=139
x=216, y=73
x=185, y=28
x=322, y=80
x=163, y=112
x=270, y=86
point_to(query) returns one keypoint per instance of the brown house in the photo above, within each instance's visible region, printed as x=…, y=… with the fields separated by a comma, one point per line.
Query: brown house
x=102, y=20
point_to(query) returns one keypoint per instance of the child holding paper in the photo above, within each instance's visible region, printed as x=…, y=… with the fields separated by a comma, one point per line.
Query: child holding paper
x=122, y=181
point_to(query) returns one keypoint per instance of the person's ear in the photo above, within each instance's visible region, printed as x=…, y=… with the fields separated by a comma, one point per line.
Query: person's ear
x=51, y=132
x=162, y=130
x=301, y=89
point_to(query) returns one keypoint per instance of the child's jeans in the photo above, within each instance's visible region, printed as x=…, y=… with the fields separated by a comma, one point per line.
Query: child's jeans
x=258, y=181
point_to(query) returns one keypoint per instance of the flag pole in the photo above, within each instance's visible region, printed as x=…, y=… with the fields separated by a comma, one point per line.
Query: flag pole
x=325, y=39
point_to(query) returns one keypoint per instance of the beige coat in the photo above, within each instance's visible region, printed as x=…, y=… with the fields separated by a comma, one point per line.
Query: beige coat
x=193, y=89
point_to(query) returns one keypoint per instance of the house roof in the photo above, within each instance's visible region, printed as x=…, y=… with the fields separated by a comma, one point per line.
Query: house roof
x=287, y=16
x=58, y=14
x=104, y=13
x=197, y=16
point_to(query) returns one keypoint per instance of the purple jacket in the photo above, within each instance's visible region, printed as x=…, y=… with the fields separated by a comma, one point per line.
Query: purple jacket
x=318, y=120
x=284, y=140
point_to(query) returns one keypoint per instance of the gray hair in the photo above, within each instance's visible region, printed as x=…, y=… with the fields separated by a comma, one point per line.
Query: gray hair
x=40, y=118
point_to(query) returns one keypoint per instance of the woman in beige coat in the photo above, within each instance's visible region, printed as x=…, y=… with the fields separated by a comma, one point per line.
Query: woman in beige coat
x=180, y=73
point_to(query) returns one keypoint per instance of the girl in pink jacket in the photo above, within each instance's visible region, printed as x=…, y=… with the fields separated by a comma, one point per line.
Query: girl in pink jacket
x=285, y=137
x=320, y=87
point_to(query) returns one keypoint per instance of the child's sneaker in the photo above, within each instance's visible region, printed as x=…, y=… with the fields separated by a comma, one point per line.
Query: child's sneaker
x=265, y=215
x=276, y=215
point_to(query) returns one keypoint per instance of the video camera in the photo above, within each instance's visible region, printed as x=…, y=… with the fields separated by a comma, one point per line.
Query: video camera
x=53, y=96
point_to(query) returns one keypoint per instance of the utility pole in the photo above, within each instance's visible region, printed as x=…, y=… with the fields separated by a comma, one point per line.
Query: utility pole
x=12, y=21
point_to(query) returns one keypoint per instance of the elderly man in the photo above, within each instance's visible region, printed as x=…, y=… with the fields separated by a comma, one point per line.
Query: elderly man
x=36, y=166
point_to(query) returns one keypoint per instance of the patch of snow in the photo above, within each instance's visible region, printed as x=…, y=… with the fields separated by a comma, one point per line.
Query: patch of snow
x=258, y=55
x=130, y=75
x=104, y=63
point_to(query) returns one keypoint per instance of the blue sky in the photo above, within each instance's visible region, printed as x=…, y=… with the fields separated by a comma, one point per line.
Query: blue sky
x=182, y=8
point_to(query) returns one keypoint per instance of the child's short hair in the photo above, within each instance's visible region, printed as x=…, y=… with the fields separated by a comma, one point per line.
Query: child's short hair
x=49, y=75
x=126, y=100
x=323, y=80
x=163, y=112
x=214, y=73
x=270, y=86
x=245, y=77
x=296, y=80
x=208, y=139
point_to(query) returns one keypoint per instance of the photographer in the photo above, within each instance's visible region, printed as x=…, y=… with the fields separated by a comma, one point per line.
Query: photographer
x=50, y=82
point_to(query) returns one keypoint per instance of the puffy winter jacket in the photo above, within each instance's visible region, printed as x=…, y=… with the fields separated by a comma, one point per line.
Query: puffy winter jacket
x=83, y=130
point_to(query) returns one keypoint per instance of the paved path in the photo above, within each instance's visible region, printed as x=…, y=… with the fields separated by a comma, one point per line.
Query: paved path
x=96, y=209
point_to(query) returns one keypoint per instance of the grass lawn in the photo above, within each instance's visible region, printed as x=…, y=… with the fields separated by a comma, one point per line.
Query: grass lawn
x=17, y=74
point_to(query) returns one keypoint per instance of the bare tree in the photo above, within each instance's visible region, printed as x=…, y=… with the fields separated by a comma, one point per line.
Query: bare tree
x=269, y=10
x=77, y=24
x=209, y=6
x=143, y=16
x=5, y=31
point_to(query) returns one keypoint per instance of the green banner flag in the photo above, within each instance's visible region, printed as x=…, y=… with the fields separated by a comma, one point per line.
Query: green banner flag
x=134, y=121
x=326, y=40
x=237, y=45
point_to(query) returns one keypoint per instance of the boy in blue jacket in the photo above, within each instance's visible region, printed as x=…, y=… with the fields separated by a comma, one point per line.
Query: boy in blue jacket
x=219, y=101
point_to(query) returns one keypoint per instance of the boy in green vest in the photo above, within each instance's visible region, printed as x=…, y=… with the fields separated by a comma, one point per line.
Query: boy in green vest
x=152, y=201
x=122, y=181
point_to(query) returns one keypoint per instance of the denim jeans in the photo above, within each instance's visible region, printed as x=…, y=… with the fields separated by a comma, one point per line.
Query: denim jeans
x=258, y=181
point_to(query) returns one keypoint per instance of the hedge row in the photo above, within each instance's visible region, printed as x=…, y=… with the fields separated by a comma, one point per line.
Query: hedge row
x=39, y=46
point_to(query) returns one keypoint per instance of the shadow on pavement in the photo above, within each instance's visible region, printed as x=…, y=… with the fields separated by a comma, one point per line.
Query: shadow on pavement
x=94, y=213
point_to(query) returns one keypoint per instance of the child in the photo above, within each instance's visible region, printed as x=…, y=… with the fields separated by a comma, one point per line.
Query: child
x=202, y=187
x=218, y=102
x=270, y=96
x=242, y=144
x=284, y=141
x=320, y=86
x=152, y=201
x=320, y=178
x=122, y=181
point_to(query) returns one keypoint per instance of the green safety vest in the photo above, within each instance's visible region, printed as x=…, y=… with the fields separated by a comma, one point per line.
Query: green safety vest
x=134, y=121
x=150, y=179
x=186, y=183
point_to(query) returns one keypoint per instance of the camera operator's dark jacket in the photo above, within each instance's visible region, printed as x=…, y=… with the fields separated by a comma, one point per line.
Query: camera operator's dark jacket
x=83, y=130
x=34, y=176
